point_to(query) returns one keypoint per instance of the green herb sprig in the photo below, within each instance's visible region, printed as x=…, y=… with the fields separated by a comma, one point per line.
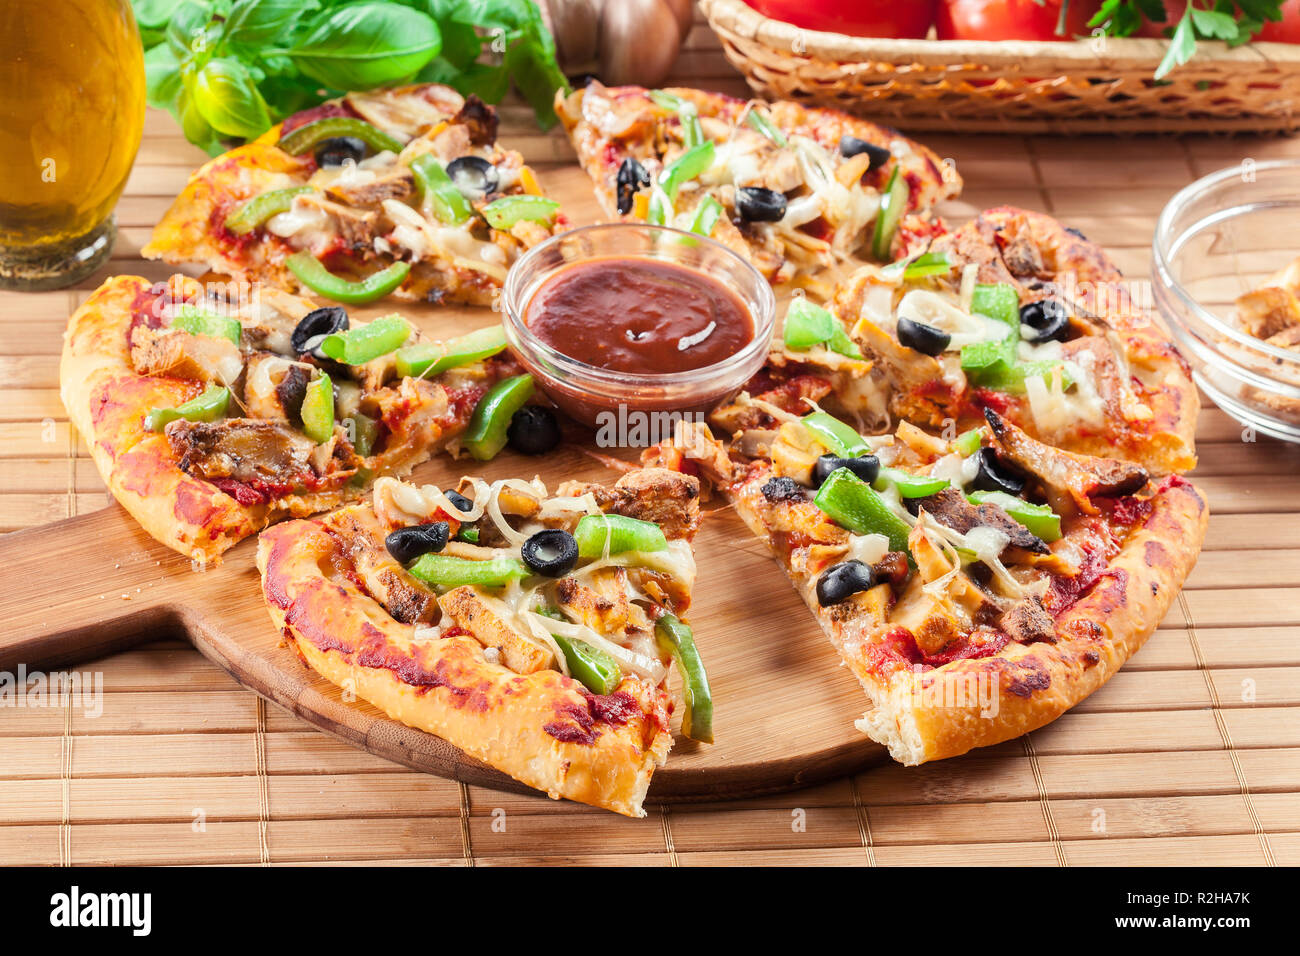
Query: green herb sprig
x=1233, y=21
x=229, y=69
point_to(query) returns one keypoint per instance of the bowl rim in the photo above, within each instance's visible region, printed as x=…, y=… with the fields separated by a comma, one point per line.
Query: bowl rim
x=1165, y=245
x=762, y=312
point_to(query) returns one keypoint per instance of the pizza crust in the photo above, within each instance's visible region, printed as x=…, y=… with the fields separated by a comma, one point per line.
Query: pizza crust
x=447, y=687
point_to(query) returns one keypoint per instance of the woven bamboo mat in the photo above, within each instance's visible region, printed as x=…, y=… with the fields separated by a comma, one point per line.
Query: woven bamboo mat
x=1191, y=755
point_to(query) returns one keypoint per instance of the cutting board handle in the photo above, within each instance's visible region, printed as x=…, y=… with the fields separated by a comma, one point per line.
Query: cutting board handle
x=85, y=587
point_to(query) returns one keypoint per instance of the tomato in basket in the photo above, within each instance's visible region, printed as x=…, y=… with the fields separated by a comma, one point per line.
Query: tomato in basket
x=1013, y=19
x=866, y=18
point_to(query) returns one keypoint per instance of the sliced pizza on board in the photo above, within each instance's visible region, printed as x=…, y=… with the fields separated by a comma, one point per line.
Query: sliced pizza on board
x=978, y=588
x=1016, y=313
x=533, y=630
x=794, y=189
x=211, y=414
x=403, y=190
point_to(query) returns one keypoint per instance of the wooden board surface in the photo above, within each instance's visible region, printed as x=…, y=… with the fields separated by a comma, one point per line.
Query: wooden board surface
x=1190, y=755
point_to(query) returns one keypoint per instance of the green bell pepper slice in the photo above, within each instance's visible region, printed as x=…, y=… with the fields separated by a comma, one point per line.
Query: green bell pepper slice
x=432, y=358
x=315, y=276
x=893, y=201
x=207, y=407
x=198, y=321
x=660, y=210
x=317, y=411
x=508, y=210
x=707, y=214
x=677, y=639
x=365, y=431
x=851, y=503
x=259, y=209
x=446, y=572
x=590, y=666
x=757, y=120
x=836, y=435
x=365, y=343
x=841, y=343
x=1041, y=520
x=967, y=443
x=486, y=434
x=687, y=114
x=310, y=135
x=807, y=324
x=928, y=264
x=449, y=205
x=686, y=167
x=998, y=301
x=908, y=485
x=622, y=534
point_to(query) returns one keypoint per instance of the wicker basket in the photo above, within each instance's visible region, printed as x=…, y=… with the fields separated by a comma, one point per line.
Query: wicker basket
x=1102, y=85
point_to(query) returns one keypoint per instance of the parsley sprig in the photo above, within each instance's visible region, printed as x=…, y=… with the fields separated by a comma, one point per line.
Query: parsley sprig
x=1233, y=21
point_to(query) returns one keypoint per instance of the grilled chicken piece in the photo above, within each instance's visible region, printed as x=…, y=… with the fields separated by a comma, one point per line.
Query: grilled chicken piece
x=604, y=606
x=950, y=508
x=174, y=352
x=409, y=110
x=404, y=596
x=247, y=449
x=274, y=387
x=398, y=184
x=667, y=498
x=485, y=618
x=411, y=411
x=479, y=119
x=1028, y=622
x=1066, y=477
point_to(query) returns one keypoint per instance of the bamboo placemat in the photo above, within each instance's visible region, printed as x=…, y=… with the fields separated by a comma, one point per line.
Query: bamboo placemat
x=1191, y=755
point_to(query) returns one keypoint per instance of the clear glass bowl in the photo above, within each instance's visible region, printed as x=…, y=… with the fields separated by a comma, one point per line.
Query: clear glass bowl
x=585, y=391
x=1221, y=236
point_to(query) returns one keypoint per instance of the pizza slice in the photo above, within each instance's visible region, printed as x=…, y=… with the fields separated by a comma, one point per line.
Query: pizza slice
x=210, y=416
x=977, y=587
x=534, y=631
x=402, y=190
x=1015, y=313
x=795, y=189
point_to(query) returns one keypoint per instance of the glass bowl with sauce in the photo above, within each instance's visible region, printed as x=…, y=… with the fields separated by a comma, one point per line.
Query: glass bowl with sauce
x=631, y=318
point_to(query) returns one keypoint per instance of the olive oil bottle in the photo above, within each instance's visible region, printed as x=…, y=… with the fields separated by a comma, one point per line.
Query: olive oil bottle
x=72, y=96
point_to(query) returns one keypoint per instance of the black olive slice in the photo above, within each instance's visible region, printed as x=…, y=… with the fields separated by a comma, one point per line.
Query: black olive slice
x=759, y=204
x=337, y=150
x=925, y=339
x=551, y=553
x=533, y=430
x=474, y=176
x=866, y=467
x=291, y=391
x=844, y=580
x=316, y=323
x=993, y=474
x=631, y=177
x=460, y=501
x=407, y=544
x=1048, y=318
x=782, y=488
x=852, y=146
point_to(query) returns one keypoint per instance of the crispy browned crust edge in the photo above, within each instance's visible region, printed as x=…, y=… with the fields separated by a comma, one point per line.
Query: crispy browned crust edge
x=446, y=686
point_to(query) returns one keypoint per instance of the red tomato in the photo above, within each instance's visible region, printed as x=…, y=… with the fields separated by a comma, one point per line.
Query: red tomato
x=865, y=18
x=1012, y=19
x=1288, y=31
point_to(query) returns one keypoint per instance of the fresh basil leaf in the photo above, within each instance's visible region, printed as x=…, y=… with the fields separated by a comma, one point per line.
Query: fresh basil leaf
x=154, y=14
x=187, y=24
x=488, y=83
x=252, y=22
x=226, y=96
x=196, y=129
x=536, y=76
x=364, y=45
x=162, y=77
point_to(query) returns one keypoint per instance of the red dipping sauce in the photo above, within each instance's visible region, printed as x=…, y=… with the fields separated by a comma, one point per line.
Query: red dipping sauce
x=639, y=315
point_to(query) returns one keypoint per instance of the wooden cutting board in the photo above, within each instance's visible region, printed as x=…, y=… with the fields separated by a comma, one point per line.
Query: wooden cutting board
x=784, y=707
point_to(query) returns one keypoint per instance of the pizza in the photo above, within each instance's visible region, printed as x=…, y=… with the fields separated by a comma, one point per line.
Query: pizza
x=403, y=190
x=1016, y=313
x=534, y=631
x=977, y=588
x=794, y=189
x=210, y=414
